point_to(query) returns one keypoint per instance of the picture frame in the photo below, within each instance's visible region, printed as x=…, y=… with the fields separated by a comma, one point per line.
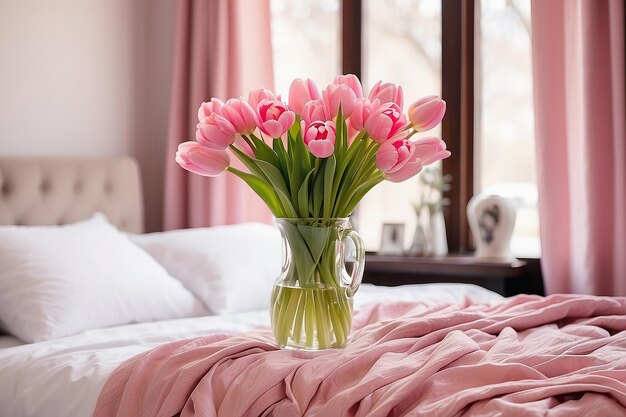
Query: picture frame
x=392, y=239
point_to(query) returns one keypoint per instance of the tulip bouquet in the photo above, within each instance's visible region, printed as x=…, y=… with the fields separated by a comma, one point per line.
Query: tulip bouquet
x=313, y=159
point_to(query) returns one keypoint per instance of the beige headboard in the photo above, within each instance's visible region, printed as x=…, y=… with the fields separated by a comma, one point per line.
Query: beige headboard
x=52, y=191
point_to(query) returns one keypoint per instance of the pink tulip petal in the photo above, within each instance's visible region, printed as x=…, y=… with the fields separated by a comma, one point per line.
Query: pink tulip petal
x=386, y=158
x=436, y=157
x=286, y=120
x=210, y=107
x=315, y=110
x=202, y=160
x=337, y=95
x=400, y=97
x=301, y=92
x=273, y=128
x=378, y=128
x=387, y=93
x=426, y=113
x=352, y=81
x=425, y=148
x=258, y=95
x=183, y=147
x=409, y=170
x=321, y=148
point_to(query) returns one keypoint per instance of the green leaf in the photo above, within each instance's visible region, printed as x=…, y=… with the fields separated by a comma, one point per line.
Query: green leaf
x=341, y=174
x=300, y=166
x=263, y=151
x=296, y=176
x=318, y=191
x=340, y=143
x=316, y=238
x=263, y=190
x=304, y=156
x=303, y=196
x=278, y=182
x=301, y=255
x=270, y=174
x=329, y=176
x=248, y=161
x=355, y=170
x=295, y=127
x=281, y=153
x=358, y=194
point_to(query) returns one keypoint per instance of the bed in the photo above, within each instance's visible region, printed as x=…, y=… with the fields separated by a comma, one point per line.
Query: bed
x=434, y=350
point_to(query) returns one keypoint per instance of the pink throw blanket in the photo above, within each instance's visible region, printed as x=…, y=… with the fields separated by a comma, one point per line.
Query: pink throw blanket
x=530, y=356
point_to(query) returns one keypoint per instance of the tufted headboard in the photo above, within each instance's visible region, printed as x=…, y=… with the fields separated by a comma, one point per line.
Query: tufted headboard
x=52, y=191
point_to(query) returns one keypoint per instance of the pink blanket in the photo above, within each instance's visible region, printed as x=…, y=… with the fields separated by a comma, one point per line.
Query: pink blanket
x=530, y=356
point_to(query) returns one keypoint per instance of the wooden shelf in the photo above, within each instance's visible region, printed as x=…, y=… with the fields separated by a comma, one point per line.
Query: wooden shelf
x=506, y=278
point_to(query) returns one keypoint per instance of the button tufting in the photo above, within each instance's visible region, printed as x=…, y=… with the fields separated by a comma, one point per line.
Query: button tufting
x=6, y=188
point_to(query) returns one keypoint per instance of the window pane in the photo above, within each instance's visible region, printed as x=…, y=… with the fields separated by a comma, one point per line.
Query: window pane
x=402, y=44
x=505, y=147
x=305, y=41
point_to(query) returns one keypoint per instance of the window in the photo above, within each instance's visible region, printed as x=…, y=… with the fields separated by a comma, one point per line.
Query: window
x=476, y=54
x=306, y=41
x=505, y=150
x=395, y=49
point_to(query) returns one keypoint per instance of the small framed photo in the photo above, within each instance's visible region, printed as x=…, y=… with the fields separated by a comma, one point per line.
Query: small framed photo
x=392, y=241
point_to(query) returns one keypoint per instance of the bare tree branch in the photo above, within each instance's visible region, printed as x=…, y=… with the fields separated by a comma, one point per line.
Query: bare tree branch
x=391, y=27
x=519, y=14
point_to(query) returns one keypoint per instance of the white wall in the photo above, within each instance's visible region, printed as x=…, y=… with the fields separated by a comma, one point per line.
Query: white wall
x=88, y=78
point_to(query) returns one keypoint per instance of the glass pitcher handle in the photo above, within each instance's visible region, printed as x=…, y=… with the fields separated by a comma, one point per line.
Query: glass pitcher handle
x=359, y=261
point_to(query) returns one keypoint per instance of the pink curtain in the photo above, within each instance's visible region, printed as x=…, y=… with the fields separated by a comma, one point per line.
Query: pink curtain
x=578, y=53
x=223, y=49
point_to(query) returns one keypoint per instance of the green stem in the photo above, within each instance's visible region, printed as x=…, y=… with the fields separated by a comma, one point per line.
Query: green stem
x=350, y=181
x=309, y=323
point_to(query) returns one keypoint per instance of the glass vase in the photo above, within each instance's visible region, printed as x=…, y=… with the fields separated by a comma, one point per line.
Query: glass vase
x=311, y=305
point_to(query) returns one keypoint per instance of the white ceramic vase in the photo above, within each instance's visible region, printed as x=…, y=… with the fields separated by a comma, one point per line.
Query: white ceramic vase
x=492, y=219
x=437, y=240
x=419, y=245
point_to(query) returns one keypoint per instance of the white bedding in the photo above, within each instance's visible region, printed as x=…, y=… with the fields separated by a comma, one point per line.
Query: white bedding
x=63, y=377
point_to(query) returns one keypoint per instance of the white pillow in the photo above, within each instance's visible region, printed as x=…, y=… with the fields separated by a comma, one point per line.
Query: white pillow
x=230, y=268
x=60, y=280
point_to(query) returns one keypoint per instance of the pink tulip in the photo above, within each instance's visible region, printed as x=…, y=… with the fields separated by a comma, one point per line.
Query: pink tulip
x=351, y=81
x=397, y=160
x=352, y=132
x=339, y=94
x=385, y=122
x=242, y=145
x=315, y=110
x=361, y=113
x=430, y=149
x=209, y=107
x=319, y=137
x=301, y=92
x=202, y=160
x=400, y=159
x=258, y=95
x=387, y=93
x=215, y=132
x=273, y=117
x=241, y=115
x=426, y=113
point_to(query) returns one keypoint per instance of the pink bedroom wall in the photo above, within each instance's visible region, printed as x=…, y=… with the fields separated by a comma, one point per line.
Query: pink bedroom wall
x=88, y=78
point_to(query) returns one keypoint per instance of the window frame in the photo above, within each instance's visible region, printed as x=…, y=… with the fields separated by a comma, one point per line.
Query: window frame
x=457, y=86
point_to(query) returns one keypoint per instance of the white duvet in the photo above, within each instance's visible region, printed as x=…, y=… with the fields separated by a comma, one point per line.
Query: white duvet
x=63, y=377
